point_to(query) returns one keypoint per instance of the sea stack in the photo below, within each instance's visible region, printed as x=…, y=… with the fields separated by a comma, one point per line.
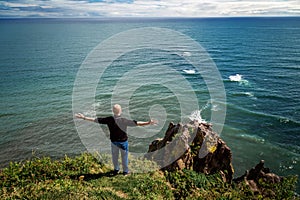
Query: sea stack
x=193, y=146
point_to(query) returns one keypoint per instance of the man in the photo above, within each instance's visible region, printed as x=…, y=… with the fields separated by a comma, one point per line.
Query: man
x=117, y=126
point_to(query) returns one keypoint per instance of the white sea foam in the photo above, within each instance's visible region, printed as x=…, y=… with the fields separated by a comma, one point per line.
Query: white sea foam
x=251, y=95
x=253, y=138
x=284, y=120
x=186, y=53
x=189, y=71
x=196, y=116
x=214, y=107
x=236, y=77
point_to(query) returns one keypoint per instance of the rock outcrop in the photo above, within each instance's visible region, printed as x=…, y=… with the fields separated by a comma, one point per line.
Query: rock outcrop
x=197, y=147
x=259, y=173
x=192, y=146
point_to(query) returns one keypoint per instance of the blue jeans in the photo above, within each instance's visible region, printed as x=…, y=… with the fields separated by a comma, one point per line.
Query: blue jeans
x=115, y=148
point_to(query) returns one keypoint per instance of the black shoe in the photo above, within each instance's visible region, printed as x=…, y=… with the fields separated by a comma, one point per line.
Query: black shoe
x=126, y=173
x=114, y=172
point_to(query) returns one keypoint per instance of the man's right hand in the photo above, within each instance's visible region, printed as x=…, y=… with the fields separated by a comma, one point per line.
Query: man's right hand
x=80, y=116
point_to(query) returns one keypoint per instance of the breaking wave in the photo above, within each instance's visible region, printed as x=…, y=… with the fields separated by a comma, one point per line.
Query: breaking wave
x=238, y=78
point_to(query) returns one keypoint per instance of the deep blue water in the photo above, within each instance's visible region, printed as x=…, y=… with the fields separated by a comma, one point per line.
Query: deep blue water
x=39, y=60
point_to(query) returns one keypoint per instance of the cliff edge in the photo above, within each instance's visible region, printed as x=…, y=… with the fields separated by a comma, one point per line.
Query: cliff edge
x=195, y=146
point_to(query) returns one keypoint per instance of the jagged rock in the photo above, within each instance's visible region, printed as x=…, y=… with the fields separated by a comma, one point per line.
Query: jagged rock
x=254, y=175
x=192, y=146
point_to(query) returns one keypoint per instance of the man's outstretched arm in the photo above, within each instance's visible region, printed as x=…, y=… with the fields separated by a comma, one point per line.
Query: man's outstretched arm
x=150, y=122
x=81, y=116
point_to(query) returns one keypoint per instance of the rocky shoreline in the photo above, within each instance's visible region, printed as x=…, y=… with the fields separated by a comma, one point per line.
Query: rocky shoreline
x=195, y=146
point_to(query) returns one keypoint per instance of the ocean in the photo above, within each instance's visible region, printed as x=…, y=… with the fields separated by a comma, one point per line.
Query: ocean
x=258, y=60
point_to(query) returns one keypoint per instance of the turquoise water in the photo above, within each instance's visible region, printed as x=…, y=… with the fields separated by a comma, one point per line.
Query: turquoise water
x=39, y=60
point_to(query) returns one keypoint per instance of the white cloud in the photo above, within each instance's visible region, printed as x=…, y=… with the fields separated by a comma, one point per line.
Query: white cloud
x=149, y=8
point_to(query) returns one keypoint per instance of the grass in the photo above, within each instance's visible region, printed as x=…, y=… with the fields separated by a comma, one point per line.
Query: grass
x=84, y=177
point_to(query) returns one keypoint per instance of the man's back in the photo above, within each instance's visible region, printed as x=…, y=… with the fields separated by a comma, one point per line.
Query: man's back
x=117, y=127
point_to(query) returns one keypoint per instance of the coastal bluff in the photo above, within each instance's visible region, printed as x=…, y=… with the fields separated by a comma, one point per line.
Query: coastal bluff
x=195, y=146
x=195, y=164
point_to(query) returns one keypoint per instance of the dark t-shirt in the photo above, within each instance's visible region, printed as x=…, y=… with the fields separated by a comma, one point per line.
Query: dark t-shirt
x=117, y=127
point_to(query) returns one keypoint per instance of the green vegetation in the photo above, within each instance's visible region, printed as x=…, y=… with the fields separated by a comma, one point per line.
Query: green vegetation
x=83, y=177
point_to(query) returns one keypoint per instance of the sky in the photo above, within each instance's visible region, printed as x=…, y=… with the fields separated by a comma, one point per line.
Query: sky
x=147, y=8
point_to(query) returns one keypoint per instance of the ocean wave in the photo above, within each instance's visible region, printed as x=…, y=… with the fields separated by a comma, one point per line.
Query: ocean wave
x=215, y=107
x=236, y=77
x=186, y=53
x=250, y=94
x=289, y=164
x=189, y=71
x=6, y=115
x=247, y=94
x=239, y=78
x=196, y=116
x=271, y=96
x=252, y=138
x=281, y=119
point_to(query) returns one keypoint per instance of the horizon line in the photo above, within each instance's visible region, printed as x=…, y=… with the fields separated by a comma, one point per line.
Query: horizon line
x=159, y=17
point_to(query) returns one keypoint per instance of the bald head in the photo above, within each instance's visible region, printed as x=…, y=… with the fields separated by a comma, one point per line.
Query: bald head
x=117, y=110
